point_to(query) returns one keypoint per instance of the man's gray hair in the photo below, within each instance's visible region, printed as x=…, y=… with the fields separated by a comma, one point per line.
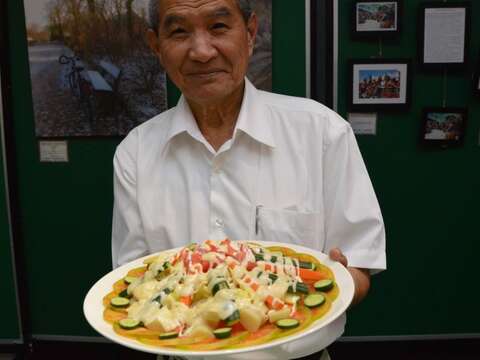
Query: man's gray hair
x=153, y=12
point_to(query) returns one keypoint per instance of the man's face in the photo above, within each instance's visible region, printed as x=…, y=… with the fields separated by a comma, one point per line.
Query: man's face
x=205, y=46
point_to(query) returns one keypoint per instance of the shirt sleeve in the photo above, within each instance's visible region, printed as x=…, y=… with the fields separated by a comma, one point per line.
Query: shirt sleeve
x=353, y=220
x=128, y=238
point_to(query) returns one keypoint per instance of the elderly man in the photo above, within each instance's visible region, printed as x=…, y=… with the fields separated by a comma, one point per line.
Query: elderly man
x=231, y=158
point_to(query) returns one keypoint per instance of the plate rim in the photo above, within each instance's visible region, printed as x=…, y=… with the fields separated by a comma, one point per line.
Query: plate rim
x=93, y=295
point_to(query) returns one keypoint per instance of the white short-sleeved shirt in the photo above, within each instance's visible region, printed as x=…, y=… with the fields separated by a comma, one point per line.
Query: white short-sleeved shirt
x=292, y=172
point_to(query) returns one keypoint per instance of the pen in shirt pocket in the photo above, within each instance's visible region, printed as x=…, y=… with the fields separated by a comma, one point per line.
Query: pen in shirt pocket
x=257, y=217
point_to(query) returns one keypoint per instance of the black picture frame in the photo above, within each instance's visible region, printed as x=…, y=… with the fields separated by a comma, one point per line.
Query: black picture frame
x=476, y=80
x=438, y=130
x=435, y=66
x=373, y=29
x=379, y=85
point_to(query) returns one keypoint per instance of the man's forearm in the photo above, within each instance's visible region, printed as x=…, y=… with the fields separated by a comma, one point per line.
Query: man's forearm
x=361, y=278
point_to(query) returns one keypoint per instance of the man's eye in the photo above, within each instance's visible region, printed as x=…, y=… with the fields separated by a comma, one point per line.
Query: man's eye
x=177, y=31
x=218, y=26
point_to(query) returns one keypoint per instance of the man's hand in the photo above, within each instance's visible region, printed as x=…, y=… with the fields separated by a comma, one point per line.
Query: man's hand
x=361, y=277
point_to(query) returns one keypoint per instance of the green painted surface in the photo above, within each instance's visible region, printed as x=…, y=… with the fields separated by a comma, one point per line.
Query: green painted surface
x=66, y=208
x=8, y=301
x=429, y=200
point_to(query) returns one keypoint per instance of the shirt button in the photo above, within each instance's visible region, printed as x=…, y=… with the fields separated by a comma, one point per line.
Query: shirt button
x=219, y=223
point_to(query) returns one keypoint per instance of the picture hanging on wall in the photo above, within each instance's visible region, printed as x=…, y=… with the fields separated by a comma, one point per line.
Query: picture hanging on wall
x=443, y=126
x=379, y=84
x=92, y=72
x=476, y=80
x=376, y=19
x=444, y=35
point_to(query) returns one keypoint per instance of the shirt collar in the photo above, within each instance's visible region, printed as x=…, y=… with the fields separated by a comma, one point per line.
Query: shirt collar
x=253, y=119
x=183, y=121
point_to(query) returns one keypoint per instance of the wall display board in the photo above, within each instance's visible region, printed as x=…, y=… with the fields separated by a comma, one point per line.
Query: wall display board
x=92, y=71
x=376, y=19
x=66, y=210
x=445, y=34
x=429, y=199
x=10, y=330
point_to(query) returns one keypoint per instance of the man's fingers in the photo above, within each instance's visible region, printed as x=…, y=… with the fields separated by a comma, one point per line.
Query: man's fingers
x=337, y=255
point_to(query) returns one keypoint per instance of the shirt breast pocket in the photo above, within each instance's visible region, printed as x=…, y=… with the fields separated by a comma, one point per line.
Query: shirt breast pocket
x=290, y=226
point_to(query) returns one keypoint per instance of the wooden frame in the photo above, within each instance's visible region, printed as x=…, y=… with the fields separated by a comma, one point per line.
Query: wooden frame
x=374, y=19
x=443, y=126
x=435, y=9
x=379, y=84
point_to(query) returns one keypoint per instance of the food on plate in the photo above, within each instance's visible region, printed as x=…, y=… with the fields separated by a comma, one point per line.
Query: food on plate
x=220, y=295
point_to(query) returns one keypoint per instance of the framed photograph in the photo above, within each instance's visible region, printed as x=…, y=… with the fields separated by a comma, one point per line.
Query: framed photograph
x=379, y=84
x=445, y=35
x=443, y=126
x=376, y=19
x=92, y=72
x=476, y=80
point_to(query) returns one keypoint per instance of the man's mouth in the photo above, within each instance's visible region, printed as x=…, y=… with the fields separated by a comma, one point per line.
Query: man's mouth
x=205, y=73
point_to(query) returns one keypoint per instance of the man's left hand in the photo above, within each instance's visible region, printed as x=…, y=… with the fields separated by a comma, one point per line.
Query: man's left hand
x=361, y=277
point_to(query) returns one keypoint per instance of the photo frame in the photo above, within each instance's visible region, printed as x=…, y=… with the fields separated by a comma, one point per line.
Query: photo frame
x=443, y=126
x=376, y=19
x=379, y=85
x=444, y=35
x=476, y=80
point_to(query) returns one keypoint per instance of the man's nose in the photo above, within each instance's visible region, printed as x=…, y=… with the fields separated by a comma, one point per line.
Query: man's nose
x=201, y=48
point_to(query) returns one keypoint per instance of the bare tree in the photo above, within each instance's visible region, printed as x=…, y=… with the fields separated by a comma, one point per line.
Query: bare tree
x=91, y=6
x=129, y=4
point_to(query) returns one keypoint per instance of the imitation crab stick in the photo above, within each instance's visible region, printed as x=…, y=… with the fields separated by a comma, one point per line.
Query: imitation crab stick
x=187, y=300
x=274, y=303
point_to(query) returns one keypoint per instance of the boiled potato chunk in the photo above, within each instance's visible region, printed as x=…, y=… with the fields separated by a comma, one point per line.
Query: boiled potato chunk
x=251, y=318
x=275, y=315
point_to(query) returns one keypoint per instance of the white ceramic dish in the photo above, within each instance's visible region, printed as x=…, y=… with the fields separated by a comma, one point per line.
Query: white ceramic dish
x=314, y=338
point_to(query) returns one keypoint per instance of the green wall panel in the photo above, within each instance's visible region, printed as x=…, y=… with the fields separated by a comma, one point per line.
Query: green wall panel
x=65, y=209
x=8, y=301
x=429, y=199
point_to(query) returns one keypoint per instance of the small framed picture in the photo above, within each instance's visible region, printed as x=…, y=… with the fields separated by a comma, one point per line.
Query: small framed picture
x=443, y=126
x=476, y=80
x=379, y=84
x=444, y=30
x=376, y=19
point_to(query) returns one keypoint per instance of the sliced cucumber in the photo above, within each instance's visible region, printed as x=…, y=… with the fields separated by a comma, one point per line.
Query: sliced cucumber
x=314, y=300
x=287, y=323
x=119, y=302
x=219, y=286
x=129, y=324
x=273, y=259
x=168, y=335
x=299, y=288
x=125, y=294
x=232, y=319
x=259, y=257
x=307, y=265
x=273, y=277
x=223, y=333
x=323, y=285
x=129, y=279
x=259, y=274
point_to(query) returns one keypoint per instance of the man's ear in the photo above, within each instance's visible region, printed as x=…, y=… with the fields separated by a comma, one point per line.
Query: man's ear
x=152, y=40
x=252, y=27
